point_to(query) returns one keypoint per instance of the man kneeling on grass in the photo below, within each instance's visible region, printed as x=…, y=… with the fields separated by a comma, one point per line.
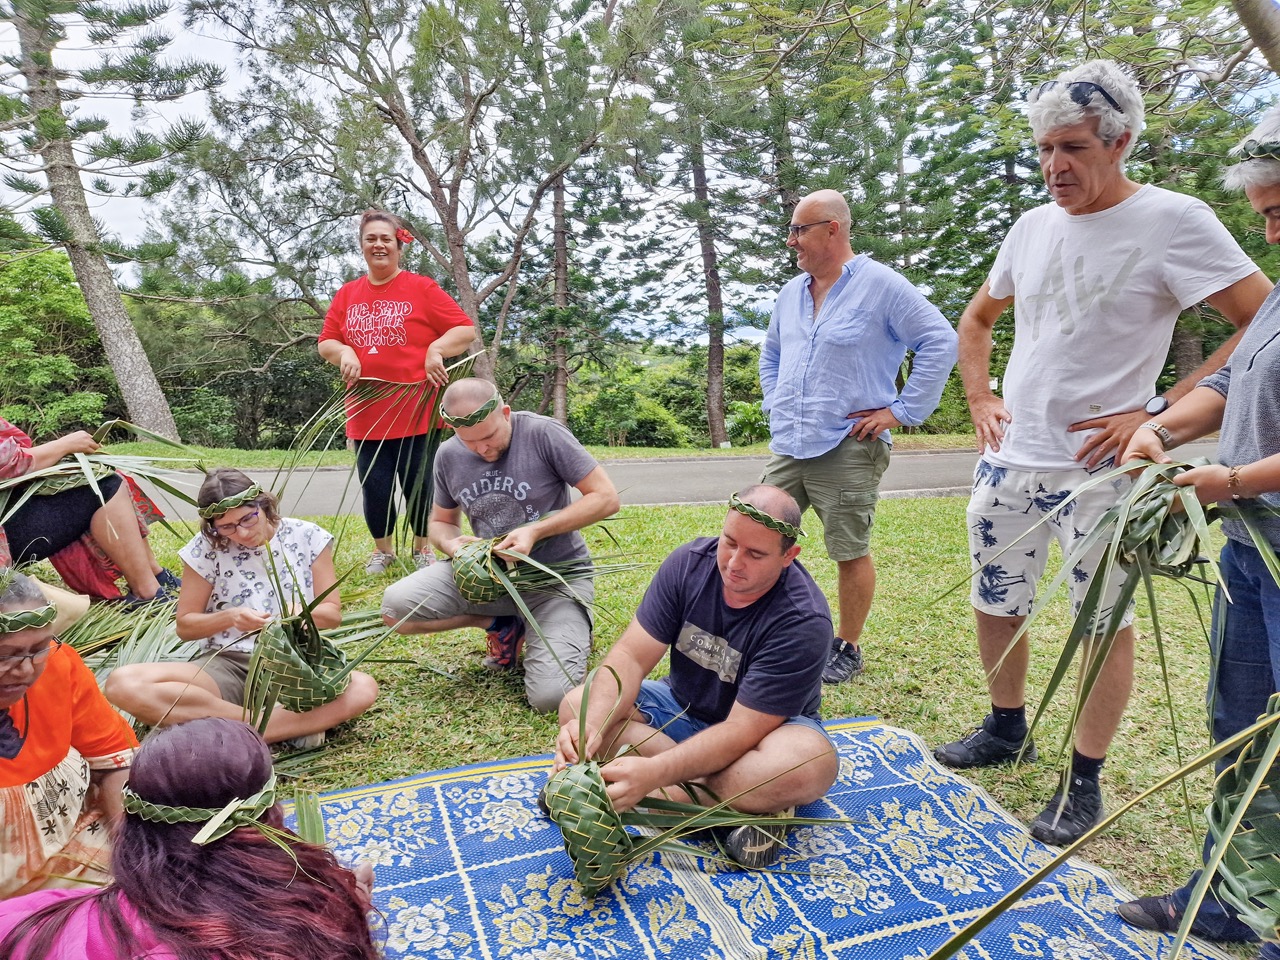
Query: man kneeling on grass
x=749, y=632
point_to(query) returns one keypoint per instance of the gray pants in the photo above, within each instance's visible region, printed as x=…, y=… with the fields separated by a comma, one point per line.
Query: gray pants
x=551, y=669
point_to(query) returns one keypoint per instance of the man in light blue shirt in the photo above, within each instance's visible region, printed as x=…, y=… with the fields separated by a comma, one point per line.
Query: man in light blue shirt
x=829, y=370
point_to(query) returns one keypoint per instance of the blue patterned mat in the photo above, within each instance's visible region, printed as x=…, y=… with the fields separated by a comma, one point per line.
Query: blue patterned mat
x=468, y=869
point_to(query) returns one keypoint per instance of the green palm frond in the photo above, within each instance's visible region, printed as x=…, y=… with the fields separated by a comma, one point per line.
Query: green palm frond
x=326, y=428
x=1244, y=821
x=1266, y=728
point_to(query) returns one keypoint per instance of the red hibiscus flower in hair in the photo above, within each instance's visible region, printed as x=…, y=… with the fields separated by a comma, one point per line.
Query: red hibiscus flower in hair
x=404, y=236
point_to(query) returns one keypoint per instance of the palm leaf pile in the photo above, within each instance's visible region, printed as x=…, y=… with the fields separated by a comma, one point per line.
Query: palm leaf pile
x=595, y=835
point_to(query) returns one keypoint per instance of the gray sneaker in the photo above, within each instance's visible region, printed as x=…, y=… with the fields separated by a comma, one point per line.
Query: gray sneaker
x=423, y=559
x=843, y=664
x=307, y=742
x=379, y=563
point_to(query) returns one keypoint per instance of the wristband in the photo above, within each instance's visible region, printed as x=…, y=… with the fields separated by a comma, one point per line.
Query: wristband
x=1160, y=431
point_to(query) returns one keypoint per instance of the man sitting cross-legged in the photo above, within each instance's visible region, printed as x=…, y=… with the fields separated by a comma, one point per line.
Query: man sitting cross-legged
x=749, y=632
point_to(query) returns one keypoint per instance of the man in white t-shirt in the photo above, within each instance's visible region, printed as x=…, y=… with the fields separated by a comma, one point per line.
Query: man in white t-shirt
x=1097, y=279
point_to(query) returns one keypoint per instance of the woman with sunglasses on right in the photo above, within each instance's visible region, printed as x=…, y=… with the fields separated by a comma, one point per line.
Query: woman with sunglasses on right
x=246, y=567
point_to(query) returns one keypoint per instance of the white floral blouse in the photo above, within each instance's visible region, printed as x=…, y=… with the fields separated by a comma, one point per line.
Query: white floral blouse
x=243, y=577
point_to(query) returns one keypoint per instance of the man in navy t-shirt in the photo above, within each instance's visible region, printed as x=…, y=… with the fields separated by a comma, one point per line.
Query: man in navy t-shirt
x=749, y=632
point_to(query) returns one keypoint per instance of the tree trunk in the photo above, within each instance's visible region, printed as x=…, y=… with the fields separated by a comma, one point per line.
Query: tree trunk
x=560, y=299
x=711, y=277
x=143, y=398
x=1187, y=349
x=1262, y=19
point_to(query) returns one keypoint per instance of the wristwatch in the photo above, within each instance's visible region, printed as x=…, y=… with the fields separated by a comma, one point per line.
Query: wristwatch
x=1156, y=405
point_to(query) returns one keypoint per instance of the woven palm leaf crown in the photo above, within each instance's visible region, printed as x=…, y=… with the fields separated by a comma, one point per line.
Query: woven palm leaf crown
x=476, y=416
x=218, y=821
x=759, y=516
x=230, y=503
x=16, y=621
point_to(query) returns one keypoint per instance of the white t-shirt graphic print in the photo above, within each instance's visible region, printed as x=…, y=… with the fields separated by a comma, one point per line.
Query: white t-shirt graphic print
x=1096, y=297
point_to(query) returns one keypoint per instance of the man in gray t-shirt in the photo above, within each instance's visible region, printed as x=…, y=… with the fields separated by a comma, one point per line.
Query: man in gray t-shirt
x=511, y=474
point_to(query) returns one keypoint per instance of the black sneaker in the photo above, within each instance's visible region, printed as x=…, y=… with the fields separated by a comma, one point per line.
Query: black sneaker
x=982, y=748
x=1162, y=914
x=1062, y=823
x=168, y=580
x=757, y=847
x=844, y=663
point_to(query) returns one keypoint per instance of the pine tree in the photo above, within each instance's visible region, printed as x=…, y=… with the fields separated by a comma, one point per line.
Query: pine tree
x=53, y=150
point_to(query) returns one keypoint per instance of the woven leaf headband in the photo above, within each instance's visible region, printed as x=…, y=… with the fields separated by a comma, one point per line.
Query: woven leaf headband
x=759, y=516
x=217, y=822
x=471, y=419
x=18, y=620
x=230, y=503
x=1259, y=150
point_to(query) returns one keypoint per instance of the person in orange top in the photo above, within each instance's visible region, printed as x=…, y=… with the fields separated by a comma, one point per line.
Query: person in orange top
x=398, y=327
x=64, y=753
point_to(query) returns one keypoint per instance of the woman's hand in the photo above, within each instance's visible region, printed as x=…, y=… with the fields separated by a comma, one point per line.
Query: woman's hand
x=47, y=454
x=246, y=619
x=434, y=369
x=349, y=367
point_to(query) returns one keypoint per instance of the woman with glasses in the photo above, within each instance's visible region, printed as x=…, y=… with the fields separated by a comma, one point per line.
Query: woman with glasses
x=247, y=889
x=246, y=567
x=64, y=753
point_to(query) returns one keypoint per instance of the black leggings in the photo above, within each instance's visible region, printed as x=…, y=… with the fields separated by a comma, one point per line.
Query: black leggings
x=44, y=525
x=378, y=463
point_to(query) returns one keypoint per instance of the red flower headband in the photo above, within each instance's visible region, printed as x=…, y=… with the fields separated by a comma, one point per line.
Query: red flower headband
x=404, y=236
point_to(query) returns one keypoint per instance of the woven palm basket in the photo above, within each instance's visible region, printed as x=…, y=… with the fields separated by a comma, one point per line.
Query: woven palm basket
x=474, y=566
x=299, y=665
x=594, y=838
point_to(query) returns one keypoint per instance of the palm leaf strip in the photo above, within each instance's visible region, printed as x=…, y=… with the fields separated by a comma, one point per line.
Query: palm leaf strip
x=1266, y=725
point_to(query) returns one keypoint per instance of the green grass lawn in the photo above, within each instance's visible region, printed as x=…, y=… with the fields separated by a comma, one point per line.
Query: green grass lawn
x=268, y=459
x=439, y=708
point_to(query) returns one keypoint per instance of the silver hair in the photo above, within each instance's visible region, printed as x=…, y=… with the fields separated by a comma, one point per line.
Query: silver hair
x=1053, y=108
x=19, y=592
x=1260, y=153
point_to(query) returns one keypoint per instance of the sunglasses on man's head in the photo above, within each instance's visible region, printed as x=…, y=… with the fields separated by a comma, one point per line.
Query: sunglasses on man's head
x=1080, y=91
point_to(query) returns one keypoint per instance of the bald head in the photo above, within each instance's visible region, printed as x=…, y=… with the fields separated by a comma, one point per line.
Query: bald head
x=465, y=396
x=825, y=205
x=777, y=503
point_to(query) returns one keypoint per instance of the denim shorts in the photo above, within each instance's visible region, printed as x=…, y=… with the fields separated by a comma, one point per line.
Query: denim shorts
x=662, y=711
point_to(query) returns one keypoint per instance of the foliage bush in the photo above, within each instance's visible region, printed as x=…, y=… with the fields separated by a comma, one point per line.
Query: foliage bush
x=619, y=415
x=747, y=422
x=53, y=373
x=207, y=419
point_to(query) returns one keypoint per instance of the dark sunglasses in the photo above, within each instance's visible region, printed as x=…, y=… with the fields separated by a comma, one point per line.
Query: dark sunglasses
x=1080, y=91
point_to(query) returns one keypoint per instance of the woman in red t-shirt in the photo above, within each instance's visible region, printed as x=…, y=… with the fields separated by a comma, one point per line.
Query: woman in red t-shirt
x=393, y=329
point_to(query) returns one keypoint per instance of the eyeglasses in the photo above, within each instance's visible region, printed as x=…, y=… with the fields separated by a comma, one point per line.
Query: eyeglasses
x=1080, y=91
x=11, y=663
x=247, y=522
x=798, y=228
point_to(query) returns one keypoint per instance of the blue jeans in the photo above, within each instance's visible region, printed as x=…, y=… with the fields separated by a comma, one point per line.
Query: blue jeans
x=1247, y=673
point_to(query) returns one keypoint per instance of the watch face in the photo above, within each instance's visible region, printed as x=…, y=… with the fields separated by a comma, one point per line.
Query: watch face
x=1157, y=405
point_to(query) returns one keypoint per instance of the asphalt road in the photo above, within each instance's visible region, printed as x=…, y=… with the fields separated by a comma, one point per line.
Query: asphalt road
x=685, y=480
